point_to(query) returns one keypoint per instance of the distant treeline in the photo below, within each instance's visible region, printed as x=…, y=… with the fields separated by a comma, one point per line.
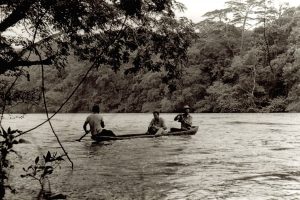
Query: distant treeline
x=231, y=69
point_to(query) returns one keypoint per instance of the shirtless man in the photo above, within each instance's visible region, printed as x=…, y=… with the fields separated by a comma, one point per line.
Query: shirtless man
x=96, y=123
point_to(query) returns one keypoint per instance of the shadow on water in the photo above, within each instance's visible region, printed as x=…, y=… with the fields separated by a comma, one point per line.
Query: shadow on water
x=224, y=160
x=100, y=144
x=287, y=176
x=260, y=123
x=268, y=185
x=172, y=164
x=281, y=149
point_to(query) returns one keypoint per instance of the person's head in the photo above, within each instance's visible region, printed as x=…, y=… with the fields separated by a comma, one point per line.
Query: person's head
x=186, y=109
x=95, y=109
x=156, y=114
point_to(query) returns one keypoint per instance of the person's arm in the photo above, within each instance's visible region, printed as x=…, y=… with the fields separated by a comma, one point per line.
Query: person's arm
x=85, y=130
x=102, y=124
x=188, y=121
x=149, y=127
x=151, y=123
x=85, y=126
x=164, y=124
x=178, y=118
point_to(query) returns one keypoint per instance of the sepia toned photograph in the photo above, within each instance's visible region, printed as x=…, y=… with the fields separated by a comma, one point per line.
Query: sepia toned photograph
x=150, y=99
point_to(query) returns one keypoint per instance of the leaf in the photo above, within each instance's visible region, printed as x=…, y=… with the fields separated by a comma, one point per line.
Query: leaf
x=4, y=133
x=5, y=177
x=18, y=131
x=37, y=160
x=48, y=170
x=48, y=156
x=60, y=158
x=15, y=142
x=5, y=164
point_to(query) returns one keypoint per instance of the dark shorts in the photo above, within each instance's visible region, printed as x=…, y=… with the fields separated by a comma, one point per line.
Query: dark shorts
x=152, y=130
x=104, y=132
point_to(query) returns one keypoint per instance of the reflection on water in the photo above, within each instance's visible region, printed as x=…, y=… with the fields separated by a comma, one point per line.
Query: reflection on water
x=233, y=156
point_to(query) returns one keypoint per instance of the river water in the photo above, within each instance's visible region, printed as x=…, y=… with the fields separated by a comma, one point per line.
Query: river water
x=233, y=156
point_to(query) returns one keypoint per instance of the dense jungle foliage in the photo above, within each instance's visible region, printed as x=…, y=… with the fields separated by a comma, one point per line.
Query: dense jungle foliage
x=49, y=46
x=237, y=63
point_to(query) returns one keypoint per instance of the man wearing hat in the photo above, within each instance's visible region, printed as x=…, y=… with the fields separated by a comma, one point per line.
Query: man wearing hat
x=185, y=118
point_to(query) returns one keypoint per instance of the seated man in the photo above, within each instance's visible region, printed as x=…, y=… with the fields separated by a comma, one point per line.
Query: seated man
x=157, y=125
x=185, y=119
x=96, y=123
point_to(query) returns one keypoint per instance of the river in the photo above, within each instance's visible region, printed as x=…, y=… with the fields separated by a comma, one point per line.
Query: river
x=233, y=156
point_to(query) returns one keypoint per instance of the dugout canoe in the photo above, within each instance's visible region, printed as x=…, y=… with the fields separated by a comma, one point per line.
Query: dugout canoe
x=192, y=131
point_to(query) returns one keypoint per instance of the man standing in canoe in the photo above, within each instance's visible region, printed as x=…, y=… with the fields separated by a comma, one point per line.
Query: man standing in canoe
x=185, y=118
x=157, y=125
x=96, y=123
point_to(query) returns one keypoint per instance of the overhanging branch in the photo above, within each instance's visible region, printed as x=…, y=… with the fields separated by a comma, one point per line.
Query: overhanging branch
x=37, y=44
x=16, y=15
x=5, y=66
x=27, y=63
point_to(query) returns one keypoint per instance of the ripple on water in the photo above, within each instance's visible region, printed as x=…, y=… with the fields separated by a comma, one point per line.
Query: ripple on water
x=233, y=156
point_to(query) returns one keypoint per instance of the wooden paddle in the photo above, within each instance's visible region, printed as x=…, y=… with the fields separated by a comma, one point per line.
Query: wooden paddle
x=82, y=136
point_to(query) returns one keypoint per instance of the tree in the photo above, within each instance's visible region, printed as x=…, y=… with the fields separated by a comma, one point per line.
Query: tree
x=242, y=13
x=141, y=34
x=102, y=32
x=266, y=14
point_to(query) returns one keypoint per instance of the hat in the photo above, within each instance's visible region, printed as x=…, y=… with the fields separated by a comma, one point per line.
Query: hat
x=186, y=107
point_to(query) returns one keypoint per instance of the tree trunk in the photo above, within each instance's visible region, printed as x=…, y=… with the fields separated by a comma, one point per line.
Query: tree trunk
x=268, y=56
x=243, y=33
x=254, y=85
x=2, y=188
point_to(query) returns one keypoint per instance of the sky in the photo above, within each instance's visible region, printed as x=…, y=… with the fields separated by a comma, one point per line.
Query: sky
x=197, y=8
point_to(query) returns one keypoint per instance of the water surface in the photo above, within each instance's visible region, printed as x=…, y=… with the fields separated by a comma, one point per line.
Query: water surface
x=233, y=156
